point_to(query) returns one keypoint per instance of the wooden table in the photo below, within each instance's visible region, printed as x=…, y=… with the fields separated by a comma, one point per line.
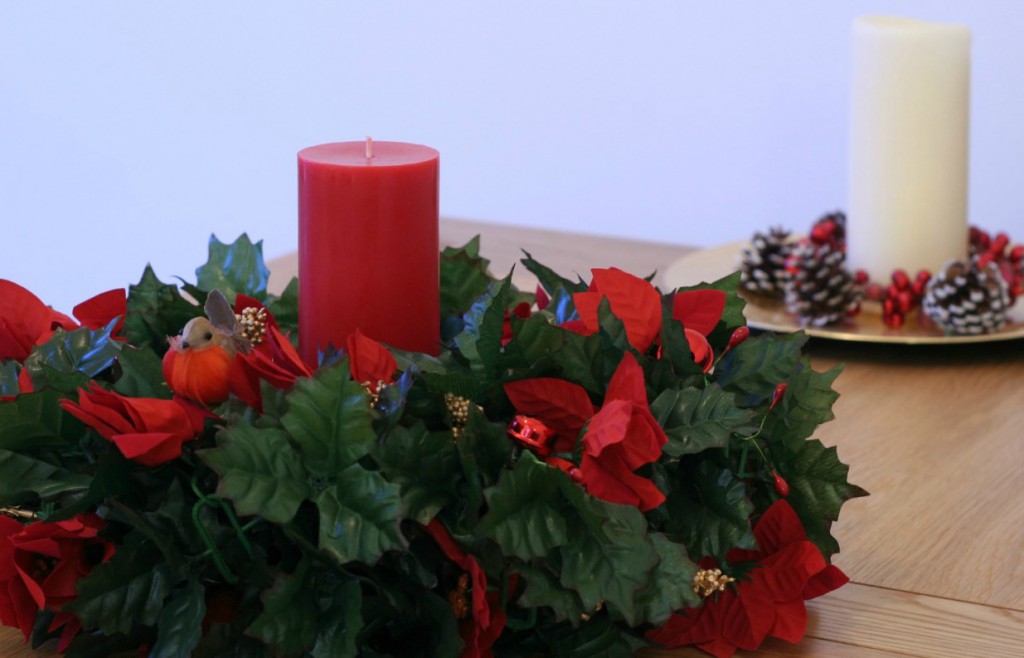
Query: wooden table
x=936, y=434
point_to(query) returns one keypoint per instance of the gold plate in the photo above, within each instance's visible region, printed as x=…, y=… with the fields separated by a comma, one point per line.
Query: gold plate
x=867, y=327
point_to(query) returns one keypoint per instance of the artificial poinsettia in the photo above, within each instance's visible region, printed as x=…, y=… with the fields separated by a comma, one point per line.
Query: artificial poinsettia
x=25, y=321
x=637, y=304
x=273, y=359
x=97, y=312
x=150, y=431
x=40, y=565
x=370, y=363
x=486, y=619
x=789, y=570
x=620, y=437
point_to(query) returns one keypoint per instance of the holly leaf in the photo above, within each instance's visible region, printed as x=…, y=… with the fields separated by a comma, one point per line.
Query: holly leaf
x=285, y=308
x=549, y=279
x=674, y=343
x=35, y=420
x=424, y=464
x=81, y=354
x=543, y=589
x=486, y=445
x=21, y=474
x=818, y=487
x=359, y=516
x=753, y=368
x=340, y=623
x=179, y=625
x=329, y=417
x=524, y=510
x=806, y=405
x=141, y=374
x=608, y=557
x=670, y=587
x=259, y=471
x=234, y=268
x=480, y=339
x=464, y=277
x=289, y=618
x=708, y=511
x=697, y=419
x=155, y=311
x=545, y=348
x=127, y=591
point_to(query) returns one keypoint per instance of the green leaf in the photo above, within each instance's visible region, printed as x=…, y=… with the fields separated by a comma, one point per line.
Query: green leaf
x=708, y=510
x=289, y=618
x=806, y=405
x=180, y=622
x=83, y=351
x=359, y=516
x=9, y=386
x=608, y=557
x=480, y=340
x=818, y=487
x=235, y=268
x=425, y=465
x=525, y=511
x=546, y=349
x=670, y=587
x=155, y=311
x=329, y=416
x=753, y=368
x=549, y=279
x=20, y=474
x=486, y=444
x=285, y=308
x=340, y=623
x=543, y=589
x=259, y=471
x=674, y=342
x=598, y=638
x=35, y=420
x=464, y=277
x=123, y=593
x=141, y=374
x=695, y=419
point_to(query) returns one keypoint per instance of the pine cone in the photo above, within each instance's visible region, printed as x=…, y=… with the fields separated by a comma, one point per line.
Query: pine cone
x=763, y=265
x=967, y=298
x=819, y=289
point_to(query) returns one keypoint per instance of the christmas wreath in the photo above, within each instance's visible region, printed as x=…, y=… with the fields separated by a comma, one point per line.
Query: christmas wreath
x=583, y=471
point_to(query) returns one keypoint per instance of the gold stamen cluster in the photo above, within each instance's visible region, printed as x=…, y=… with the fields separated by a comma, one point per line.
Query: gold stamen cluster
x=587, y=615
x=708, y=581
x=253, y=322
x=458, y=407
x=373, y=390
x=457, y=598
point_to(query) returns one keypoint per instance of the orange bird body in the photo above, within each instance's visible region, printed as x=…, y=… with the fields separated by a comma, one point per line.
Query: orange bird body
x=198, y=365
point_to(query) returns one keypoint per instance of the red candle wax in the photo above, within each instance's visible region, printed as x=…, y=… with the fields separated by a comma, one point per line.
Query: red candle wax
x=368, y=246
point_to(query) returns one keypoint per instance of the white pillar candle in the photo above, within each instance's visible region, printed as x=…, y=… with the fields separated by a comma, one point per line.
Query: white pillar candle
x=907, y=205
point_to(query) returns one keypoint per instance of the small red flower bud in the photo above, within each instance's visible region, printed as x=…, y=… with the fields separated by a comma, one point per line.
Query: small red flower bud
x=781, y=486
x=780, y=390
x=738, y=336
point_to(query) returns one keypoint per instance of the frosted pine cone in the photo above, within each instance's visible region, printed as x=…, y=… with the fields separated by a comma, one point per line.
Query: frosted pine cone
x=967, y=298
x=819, y=289
x=762, y=266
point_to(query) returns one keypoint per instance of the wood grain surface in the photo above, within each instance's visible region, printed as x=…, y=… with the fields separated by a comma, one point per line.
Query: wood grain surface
x=935, y=434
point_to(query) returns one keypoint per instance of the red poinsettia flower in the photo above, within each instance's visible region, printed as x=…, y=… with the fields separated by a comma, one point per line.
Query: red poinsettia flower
x=699, y=312
x=486, y=619
x=40, y=565
x=790, y=570
x=97, y=312
x=369, y=362
x=273, y=360
x=25, y=321
x=522, y=311
x=620, y=437
x=147, y=430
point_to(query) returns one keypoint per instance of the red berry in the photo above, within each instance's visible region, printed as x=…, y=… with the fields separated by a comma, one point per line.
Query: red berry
x=780, y=390
x=985, y=259
x=893, y=320
x=738, y=336
x=1000, y=242
x=875, y=292
x=861, y=277
x=924, y=276
x=1017, y=254
x=905, y=301
x=900, y=279
x=892, y=292
x=917, y=287
x=781, y=486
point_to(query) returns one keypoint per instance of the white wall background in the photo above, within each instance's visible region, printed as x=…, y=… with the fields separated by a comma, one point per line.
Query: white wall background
x=131, y=131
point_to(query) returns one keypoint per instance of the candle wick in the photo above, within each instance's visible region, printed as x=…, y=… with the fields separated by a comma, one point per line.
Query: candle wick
x=369, y=148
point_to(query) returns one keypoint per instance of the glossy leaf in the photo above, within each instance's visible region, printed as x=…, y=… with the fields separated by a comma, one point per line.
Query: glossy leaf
x=464, y=277
x=83, y=351
x=424, y=464
x=697, y=419
x=122, y=593
x=156, y=310
x=525, y=512
x=141, y=374
x=670, y=586
x=359, y=516
x=709, y=512
x=35, y=420
x=544, y=590
x=806, y=405
x=234, y=268
x=289, y=618
x=180, y=622
x=340, y=623
x=480, y=340
x=21, y=474
x=553, y=351
x=757, y=365
x=260, y=472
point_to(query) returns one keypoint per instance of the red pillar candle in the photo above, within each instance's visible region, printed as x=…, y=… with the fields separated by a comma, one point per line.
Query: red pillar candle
x=368, y=246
